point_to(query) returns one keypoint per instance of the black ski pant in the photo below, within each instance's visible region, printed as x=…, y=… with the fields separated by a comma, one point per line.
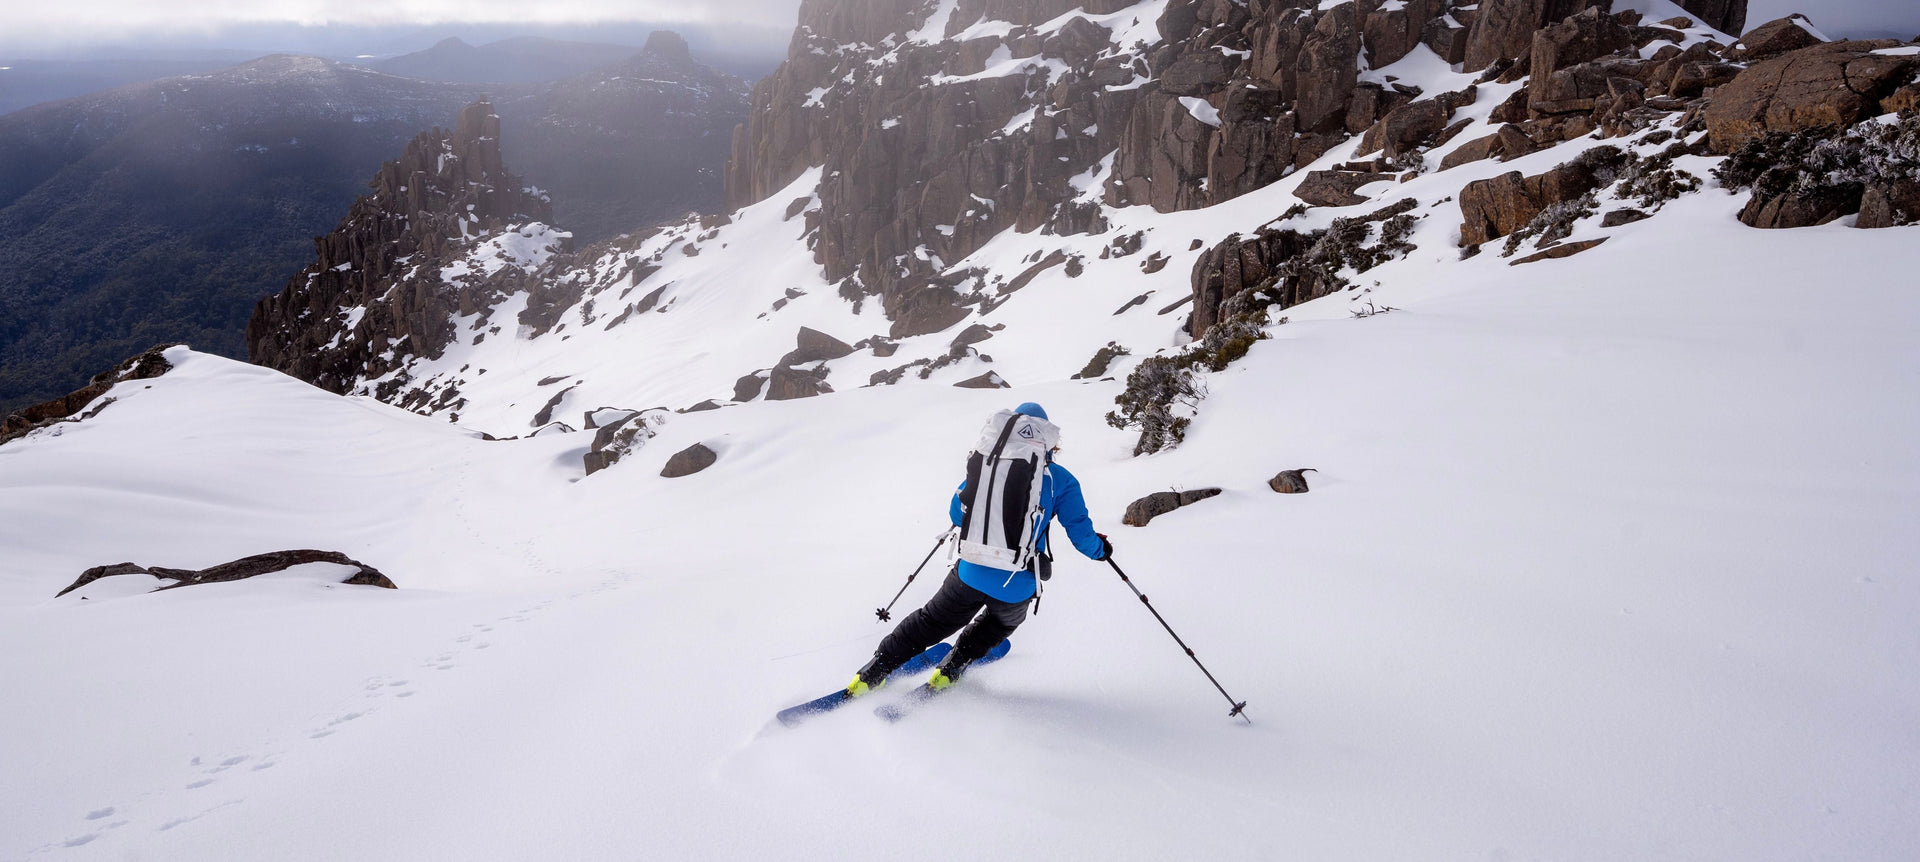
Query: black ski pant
x=955, y=605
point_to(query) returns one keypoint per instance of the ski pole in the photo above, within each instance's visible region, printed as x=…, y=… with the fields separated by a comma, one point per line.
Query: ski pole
x=886, y=613
x=1239, y=707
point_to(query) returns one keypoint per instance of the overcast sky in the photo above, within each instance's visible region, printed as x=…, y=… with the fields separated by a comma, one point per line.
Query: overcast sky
x=27, y=24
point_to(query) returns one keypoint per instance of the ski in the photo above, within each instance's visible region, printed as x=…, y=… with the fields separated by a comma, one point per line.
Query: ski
x=929, y=657
x=921, y=694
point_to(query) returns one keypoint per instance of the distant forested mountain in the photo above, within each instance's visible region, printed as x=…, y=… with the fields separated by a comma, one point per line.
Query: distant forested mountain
x=163, y=211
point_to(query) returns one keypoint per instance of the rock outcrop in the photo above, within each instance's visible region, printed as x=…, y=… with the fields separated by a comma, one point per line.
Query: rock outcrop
x=1774, y=38
x=145, y=366
x=932, y=145
x=1727, y=16
x=1291, y=481
x=689, y=461
x=1829, y=85
x=1145, y=509
x=1498, y=206
x=447, y=192
x=245, y=567
x=618, y=433
x=1503, y=29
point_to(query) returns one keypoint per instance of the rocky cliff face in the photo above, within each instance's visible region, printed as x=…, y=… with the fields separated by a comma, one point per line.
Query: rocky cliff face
x=942, y=157
x=940, y=124
x=385, y=285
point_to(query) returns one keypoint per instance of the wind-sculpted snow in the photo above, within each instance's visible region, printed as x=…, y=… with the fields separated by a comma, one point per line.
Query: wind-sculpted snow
x=1592, y=565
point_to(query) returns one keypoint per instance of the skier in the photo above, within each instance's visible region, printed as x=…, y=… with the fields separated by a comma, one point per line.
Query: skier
x=998, y=596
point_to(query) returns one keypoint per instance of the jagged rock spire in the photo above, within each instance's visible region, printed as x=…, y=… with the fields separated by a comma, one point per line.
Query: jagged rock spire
x=447, y=188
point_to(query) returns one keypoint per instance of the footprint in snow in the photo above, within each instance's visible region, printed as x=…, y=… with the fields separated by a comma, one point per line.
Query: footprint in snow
x=84, y=839
x=104, y=812
x=259, y=766
x=199, y=784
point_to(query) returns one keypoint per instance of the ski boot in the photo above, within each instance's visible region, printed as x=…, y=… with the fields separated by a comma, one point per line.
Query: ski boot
x=947, y=672
x=871, y=678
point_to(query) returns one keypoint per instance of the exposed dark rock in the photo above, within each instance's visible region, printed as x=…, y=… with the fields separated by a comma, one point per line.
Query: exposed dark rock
x=1564, y=80
x=748, y=386
x=1829, y=85
x=1475, y=150
x=1287, y=267
x=814, y=346
x=1328, y=70
x=1503, y=29
x=1254, y=145
x=1498, y=206
x=1890, y=204
x=1145, y=509
x=1200, y=73
x=145, y=366
x=989, y=380
x=1291, y=481
x=1619, y=217
x=618, y=438
x=1188, y=498
x=1904, y=99
x=1335, y=188
x=1448, y=41
x=1415, y=125
x=1565, y=249
x=972, y=335
x=245, y=567
x=1772, y=39
x=1727, y=16
x=689, y=461
x=925, y=311
x=1391, y=33
x=546, y=413
x=1802, y=207
x=785, y=383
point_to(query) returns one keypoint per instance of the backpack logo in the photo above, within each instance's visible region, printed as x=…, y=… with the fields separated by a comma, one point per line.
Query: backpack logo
x=1027, y=431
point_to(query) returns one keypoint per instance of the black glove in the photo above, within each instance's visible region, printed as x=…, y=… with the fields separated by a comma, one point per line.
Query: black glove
x=1106, y=547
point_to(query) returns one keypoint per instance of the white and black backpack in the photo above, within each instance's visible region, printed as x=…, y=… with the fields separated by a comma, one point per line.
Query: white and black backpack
x=1002, y=497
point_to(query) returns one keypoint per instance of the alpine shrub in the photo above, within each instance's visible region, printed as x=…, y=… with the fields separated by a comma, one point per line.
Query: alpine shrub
x=1156, y=390
x=1163, y=388
x=1654, y=181
x=1553, y=224
x=1871, y=153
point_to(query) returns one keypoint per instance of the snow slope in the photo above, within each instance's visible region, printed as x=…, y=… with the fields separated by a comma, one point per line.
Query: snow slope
x=1606, y=558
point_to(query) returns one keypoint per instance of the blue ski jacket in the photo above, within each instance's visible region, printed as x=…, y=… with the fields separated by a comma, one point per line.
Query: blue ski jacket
x=1059, y=496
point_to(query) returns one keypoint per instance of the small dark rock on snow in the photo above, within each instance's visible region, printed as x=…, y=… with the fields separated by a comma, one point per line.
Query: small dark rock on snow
x=689, y=461
x=1291, y=481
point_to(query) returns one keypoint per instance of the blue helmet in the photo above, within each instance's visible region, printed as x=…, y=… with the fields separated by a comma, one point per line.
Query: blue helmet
x=1031, y=409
